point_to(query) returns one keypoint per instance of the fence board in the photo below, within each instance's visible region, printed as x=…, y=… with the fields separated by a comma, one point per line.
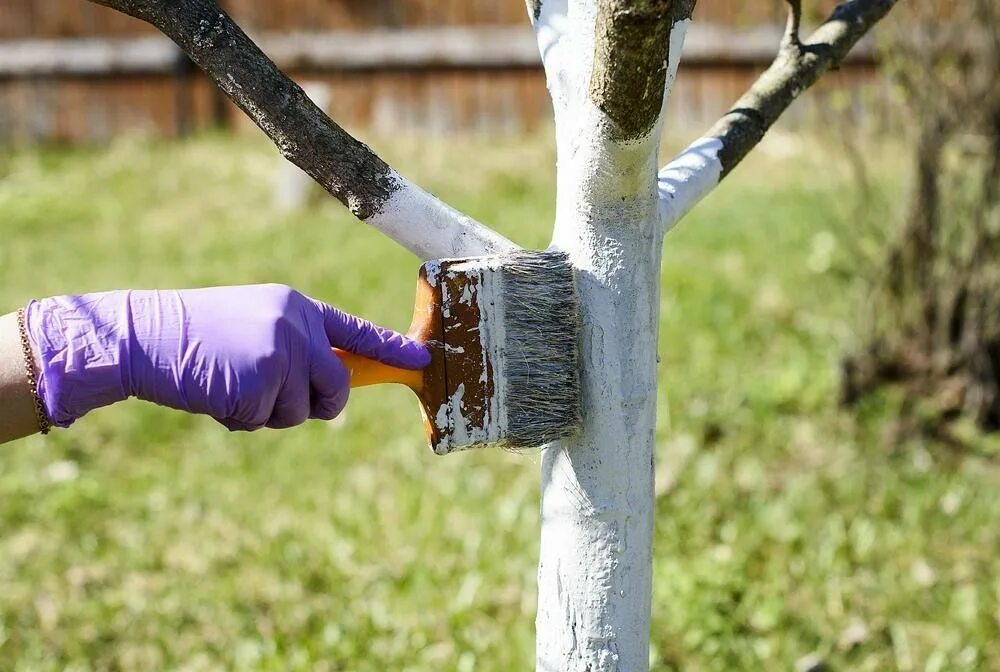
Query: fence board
x=456, y=65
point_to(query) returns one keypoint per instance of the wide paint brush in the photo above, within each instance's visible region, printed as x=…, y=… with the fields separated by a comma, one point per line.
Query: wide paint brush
x=502, y=332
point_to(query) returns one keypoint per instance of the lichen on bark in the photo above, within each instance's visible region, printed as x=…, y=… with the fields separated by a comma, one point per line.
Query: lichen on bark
x=631, y=46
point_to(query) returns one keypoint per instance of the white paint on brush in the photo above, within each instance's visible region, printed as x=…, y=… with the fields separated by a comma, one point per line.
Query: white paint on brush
x=688, y=178
x=442, y=422
x=460, y=433
x=432, y=269
x=453, y=417
x=430, y=228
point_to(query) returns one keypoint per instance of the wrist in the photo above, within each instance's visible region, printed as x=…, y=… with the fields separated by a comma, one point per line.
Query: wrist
x=80, y=345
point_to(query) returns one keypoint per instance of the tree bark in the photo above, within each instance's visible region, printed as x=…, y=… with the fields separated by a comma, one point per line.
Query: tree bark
x=798, y=65
x=304, y=135
x=594, y=574
x=595, y=569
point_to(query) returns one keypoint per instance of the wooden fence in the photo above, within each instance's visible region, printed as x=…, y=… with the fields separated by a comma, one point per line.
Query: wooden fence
x=74, y=71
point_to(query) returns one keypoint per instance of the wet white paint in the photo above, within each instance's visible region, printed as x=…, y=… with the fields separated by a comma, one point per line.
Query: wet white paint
x=688, y=178
x=432, y=229
x=677, y=34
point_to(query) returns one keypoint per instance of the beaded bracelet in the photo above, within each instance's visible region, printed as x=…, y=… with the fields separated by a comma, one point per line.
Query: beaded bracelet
x=29, y=368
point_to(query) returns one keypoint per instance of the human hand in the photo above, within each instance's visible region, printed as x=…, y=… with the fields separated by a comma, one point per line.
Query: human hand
x=250, y=356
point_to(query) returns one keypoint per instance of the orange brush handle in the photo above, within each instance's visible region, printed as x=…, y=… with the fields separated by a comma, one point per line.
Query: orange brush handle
x=364, y=371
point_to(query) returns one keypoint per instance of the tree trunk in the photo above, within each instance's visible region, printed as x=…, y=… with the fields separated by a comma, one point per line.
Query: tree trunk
x=594, y=572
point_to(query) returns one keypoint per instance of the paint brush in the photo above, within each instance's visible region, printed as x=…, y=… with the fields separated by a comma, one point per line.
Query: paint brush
x=502, y=331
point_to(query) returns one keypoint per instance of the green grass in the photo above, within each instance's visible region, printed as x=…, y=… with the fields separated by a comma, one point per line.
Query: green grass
x=143, y=539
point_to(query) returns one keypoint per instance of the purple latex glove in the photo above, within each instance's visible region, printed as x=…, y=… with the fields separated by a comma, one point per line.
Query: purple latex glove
x=250, y=357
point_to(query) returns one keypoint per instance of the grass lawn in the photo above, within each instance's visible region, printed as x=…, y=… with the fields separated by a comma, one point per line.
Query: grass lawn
x=144, y=539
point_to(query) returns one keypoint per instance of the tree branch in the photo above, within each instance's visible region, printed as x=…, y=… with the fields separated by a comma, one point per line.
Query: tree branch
x=697, y=170
x=550, y=20
x=304, y=135
x=791, y=39
x=680, y=20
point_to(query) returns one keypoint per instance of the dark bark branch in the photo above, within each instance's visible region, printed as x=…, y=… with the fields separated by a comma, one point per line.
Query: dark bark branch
x=631, y=47
x=534, y=9
x=792, y=28
x=795, y=69
x=682, y=10
x=302, y=132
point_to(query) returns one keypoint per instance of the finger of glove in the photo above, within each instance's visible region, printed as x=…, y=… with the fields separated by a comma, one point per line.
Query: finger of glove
x=236, y=425
x=364, y=338
x=291, y=408
x=330, y=386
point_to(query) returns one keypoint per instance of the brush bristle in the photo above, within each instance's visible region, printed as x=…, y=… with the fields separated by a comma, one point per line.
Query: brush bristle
x=540, y=370
x=509, y=366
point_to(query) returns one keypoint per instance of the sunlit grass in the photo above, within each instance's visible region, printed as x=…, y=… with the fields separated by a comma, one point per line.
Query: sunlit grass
x=144, y=539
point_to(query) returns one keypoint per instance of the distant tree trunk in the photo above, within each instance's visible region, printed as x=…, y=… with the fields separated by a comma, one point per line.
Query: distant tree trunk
x=936, y=331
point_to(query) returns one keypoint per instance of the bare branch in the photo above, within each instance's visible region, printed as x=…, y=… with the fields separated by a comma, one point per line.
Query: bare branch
x=304, y=135
x=791, y=39
x=696, y=171
x=793, y=71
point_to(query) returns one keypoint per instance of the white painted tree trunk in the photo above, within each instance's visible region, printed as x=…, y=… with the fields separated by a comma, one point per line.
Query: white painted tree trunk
x=594, y=573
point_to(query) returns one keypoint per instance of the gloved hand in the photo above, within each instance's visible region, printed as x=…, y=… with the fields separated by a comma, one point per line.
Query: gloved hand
x=250, y=357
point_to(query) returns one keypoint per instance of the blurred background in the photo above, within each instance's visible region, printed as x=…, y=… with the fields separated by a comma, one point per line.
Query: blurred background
x=73, y=71
x=828, y=488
